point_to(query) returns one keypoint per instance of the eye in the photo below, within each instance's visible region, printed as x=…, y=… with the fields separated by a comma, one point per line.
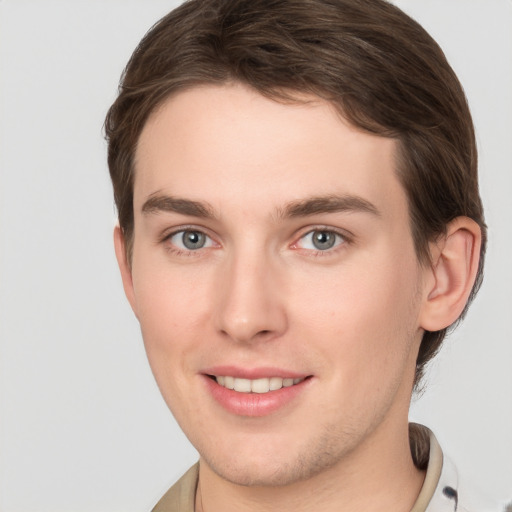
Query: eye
x=320, y=240
x=190, y=240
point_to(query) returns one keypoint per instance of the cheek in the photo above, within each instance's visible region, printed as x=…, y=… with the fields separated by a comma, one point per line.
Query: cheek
x=364, y=318
x=172, y=317
x=172, y=311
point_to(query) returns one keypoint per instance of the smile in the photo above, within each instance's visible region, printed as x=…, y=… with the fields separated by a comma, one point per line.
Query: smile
x=263, y=385
x=255, y=392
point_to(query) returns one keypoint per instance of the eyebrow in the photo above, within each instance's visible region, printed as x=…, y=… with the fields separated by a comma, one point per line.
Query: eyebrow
x=328, y=204
x=302, y=208
x=163, y=203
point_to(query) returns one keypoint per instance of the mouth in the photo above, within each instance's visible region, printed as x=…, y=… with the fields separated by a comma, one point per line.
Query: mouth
x=260, y=386
x=257, y=392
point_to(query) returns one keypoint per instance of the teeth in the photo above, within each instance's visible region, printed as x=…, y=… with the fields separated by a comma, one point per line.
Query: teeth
x=260, y=386
x=242, y=385
x=276, y=383
x=263, y=385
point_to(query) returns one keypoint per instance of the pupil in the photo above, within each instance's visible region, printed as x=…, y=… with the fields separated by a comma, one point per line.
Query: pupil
x=323, y=240
x=193, y=240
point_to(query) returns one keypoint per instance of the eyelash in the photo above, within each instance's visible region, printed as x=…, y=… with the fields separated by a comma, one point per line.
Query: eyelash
x=345, y=240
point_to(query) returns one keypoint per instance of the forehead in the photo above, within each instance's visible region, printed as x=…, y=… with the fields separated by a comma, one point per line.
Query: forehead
x=231, y=145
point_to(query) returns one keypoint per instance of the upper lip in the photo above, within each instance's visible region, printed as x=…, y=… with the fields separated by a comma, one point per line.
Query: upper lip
x=253, y=373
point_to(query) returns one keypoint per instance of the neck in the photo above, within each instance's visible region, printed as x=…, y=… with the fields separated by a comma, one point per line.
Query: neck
x=379, y=475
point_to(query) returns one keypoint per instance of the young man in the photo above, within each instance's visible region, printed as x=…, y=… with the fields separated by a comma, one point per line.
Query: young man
x=299, y=225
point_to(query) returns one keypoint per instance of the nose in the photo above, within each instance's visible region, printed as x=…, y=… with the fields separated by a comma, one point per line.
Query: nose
x=250, y=304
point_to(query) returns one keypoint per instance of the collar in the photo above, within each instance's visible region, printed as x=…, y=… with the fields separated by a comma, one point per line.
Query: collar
x=432, y=489
x=442, y=489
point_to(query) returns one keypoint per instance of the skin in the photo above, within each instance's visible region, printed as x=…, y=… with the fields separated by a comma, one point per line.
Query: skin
x=260, y=294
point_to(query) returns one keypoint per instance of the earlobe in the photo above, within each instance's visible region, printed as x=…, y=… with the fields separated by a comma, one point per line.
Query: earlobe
x=124, y=267
x=455, y=258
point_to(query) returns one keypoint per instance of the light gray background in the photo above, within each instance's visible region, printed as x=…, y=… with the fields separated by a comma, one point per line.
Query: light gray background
x=82, y=425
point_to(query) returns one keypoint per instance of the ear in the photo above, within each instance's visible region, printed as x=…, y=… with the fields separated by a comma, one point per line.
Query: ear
x=455, y=257
x=124, y=267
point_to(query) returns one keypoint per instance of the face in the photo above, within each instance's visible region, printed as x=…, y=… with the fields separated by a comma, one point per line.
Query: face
x=273, y=254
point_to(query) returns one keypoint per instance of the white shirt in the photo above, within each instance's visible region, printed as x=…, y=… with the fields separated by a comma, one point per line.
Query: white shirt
x=442, y=490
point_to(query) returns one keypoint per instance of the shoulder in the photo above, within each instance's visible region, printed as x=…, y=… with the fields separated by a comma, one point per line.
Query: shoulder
x=181, y=496
x=454, y=494
x=458, y=495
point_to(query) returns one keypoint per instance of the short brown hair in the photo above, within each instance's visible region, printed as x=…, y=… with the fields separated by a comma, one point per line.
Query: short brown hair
x=379, y=67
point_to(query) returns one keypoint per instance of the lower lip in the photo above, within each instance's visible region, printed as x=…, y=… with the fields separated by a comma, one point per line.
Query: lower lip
x=254, y=404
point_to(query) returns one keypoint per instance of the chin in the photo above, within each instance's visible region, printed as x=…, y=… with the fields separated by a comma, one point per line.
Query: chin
x=253, y=475
x=269, y=468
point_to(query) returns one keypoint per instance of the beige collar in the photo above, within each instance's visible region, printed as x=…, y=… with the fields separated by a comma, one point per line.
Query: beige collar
x=435, y=465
